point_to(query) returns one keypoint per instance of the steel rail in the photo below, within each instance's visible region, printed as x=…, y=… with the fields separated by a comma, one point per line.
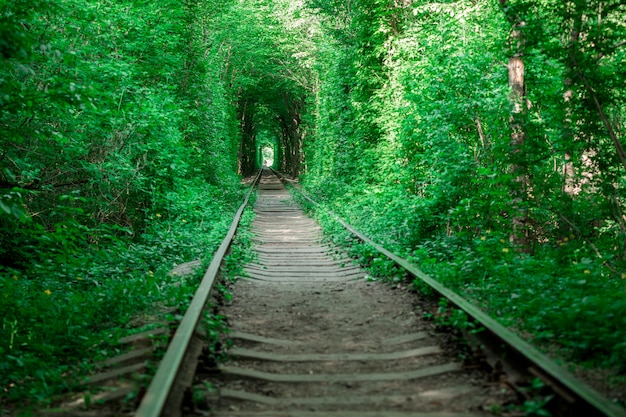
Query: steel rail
x=582, y=399
x=158, y=392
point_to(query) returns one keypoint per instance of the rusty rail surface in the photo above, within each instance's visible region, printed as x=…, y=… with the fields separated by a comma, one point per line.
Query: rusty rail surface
x=160, y=389
x=572, y=397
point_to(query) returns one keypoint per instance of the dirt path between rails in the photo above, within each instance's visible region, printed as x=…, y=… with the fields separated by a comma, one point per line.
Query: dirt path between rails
x=312, y=337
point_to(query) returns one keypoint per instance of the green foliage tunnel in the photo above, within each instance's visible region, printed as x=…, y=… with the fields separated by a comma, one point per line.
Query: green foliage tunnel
x=482, y=139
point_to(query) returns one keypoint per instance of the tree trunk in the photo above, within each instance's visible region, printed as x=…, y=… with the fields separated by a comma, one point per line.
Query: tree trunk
x=520, y=236
x=247, y=149
x=292, y=136
x=569, y=173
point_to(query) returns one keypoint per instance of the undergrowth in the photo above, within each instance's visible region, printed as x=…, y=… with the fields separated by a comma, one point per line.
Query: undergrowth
x=563, y=299
x=68, y=306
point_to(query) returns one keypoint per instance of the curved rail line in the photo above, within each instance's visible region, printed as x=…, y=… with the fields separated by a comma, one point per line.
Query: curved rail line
x=574, y=398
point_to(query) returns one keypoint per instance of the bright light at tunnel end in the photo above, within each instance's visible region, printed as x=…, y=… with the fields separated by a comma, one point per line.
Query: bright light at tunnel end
x=267, y=156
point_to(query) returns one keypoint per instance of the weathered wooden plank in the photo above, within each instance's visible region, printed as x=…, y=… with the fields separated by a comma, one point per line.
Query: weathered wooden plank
x=186, y=268
x=298, y=249
x=300, y=280
x=298, y=231
x=262, y=339
x=271, y=226
x=115, y=373
x=294, y=229
x=406, y=338
x=296, y=234
x=301, y=238
x=297, y=262
x=276, y=210
x=303, y=256
x=299, y=268
x=285, y=239
x=303, y=262
x=144, y=335
x=275, y=217
x=332, y=357
x=303, y=413
x=267, y=223
x=301, y=272
x=313, y=237
x=430, y=395
x=133, y=355
x=330, y=378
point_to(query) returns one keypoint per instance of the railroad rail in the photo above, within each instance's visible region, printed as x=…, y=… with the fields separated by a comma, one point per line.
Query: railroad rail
x=504, y=348
x=164, y=395
x=520, y=360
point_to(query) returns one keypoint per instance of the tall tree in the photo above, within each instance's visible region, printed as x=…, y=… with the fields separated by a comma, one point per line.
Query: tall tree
x=521, y=233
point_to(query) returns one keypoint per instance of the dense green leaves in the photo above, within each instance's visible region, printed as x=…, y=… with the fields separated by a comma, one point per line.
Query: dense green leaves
x=119, y=157
x=123, y=125
x=415, y=144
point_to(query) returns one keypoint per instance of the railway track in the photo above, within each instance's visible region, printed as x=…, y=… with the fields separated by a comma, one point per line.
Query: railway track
x=312, y=337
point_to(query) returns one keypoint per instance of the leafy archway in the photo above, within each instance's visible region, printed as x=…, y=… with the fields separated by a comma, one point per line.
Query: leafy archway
x=267, y=149
x=272, y=81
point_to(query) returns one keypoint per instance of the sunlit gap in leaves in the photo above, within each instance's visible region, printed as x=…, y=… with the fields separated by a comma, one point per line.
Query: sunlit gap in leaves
x=266, y=148
x=267, y=154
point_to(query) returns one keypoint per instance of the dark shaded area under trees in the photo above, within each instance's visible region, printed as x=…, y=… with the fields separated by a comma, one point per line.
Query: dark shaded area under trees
x=482, y=139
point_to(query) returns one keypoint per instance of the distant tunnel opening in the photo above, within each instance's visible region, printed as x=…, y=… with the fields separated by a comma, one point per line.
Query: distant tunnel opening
x=267, y=155
x=272, y=133
x=266, y=149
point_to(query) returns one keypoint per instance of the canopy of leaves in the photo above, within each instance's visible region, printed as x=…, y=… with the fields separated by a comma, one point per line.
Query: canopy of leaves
x=124, y=126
